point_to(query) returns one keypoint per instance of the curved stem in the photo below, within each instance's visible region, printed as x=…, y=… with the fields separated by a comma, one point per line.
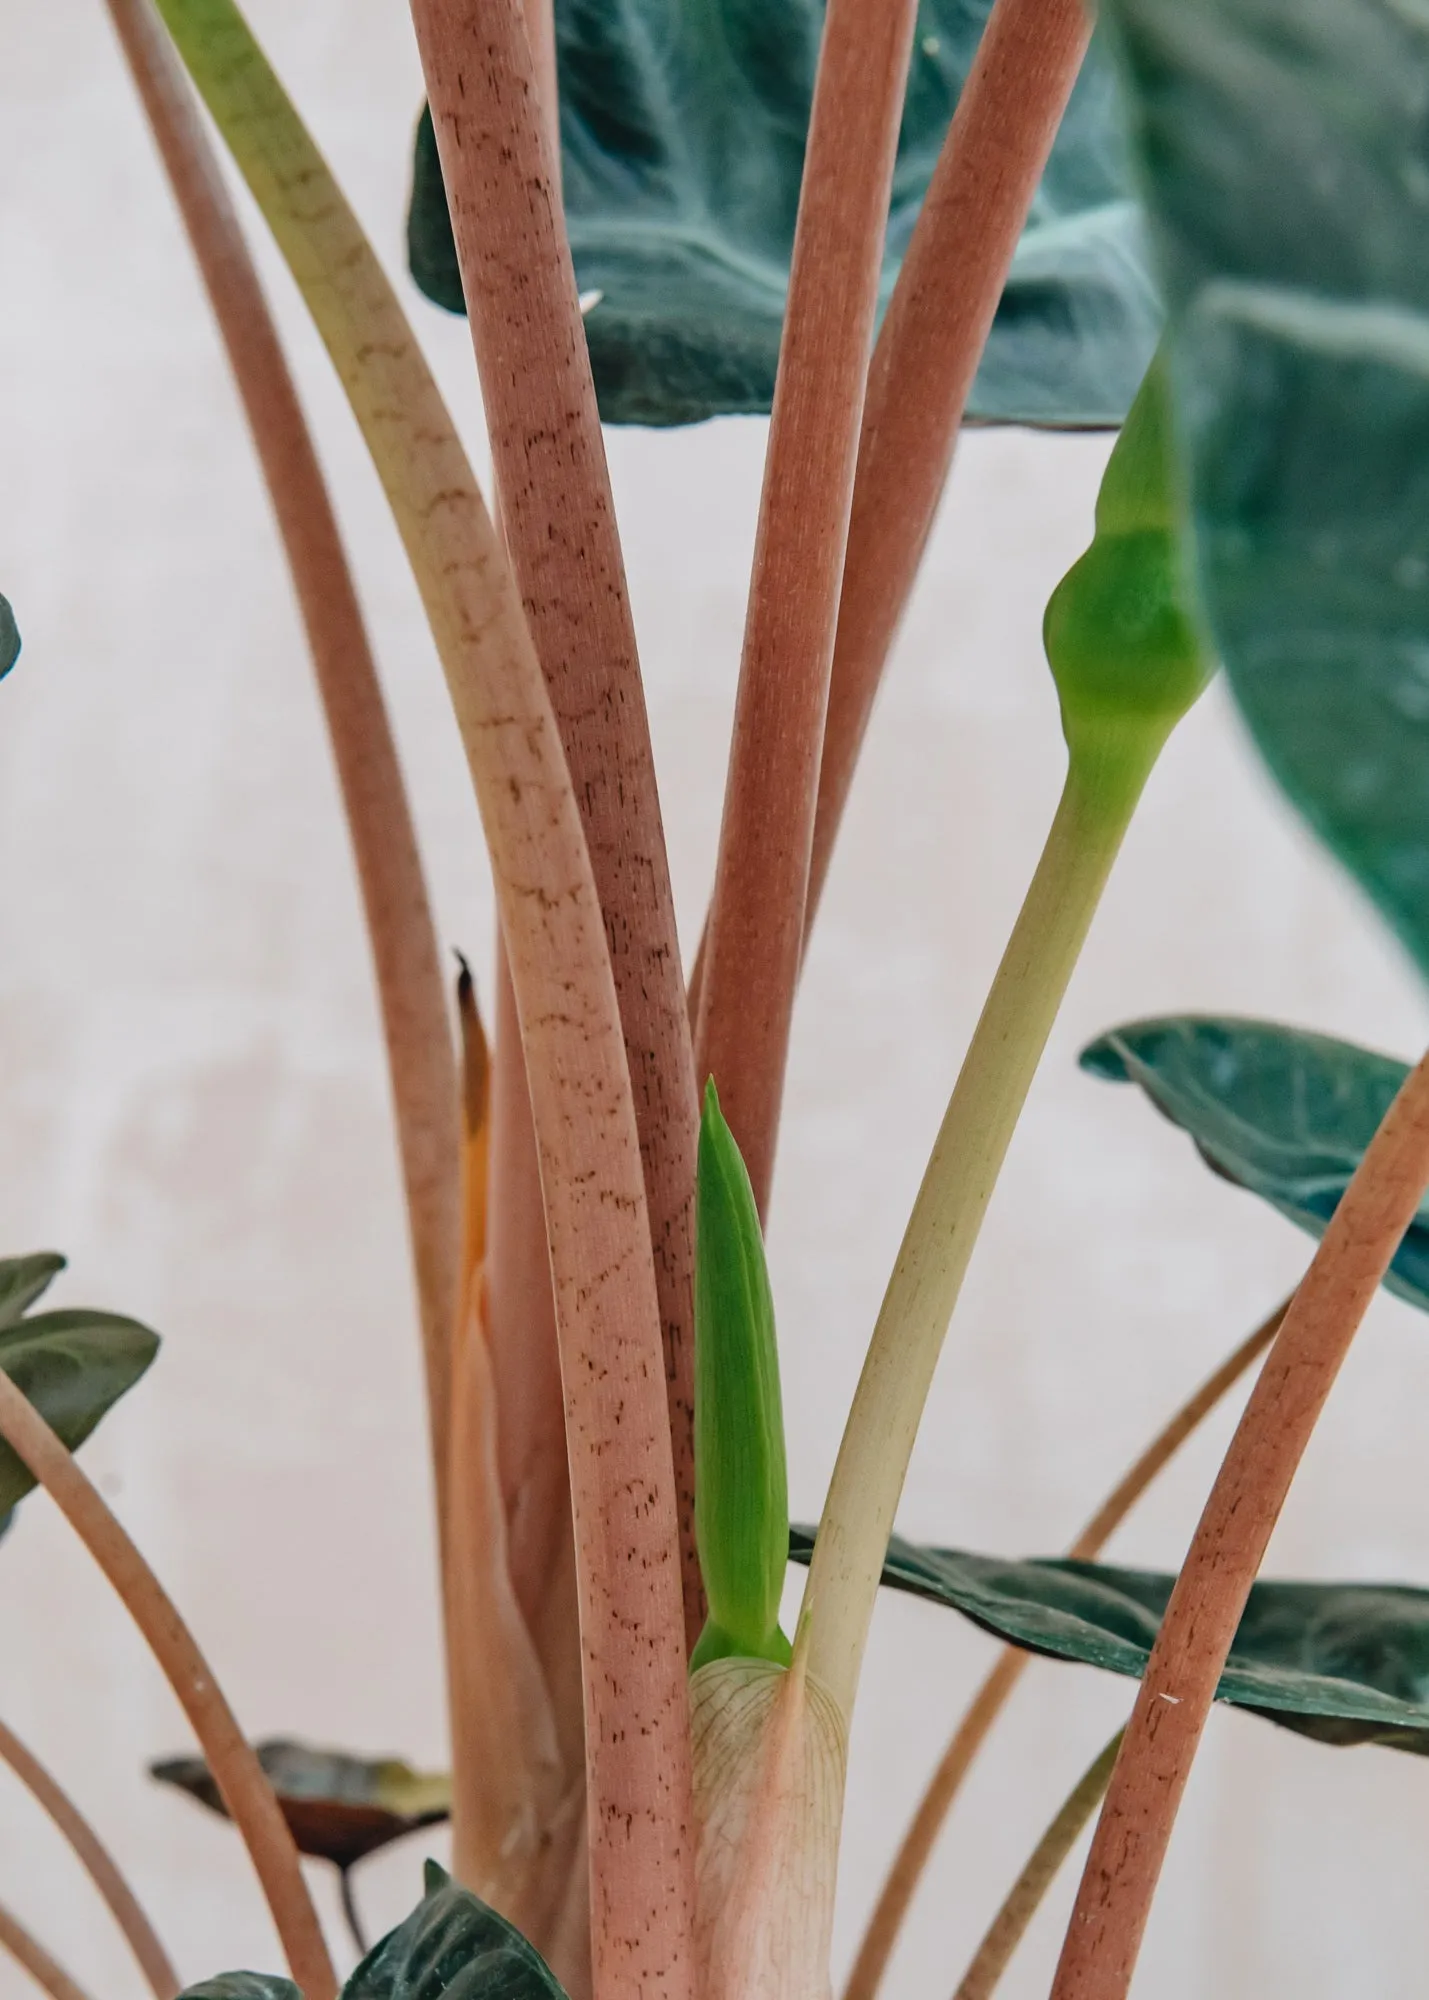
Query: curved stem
x=1024, y=1899
x=607, y=1306
x=379, y=819
x=928, y=350
x=942, y=1230
x=27, y=1951
x=1129, y=1489
x=352, y=1916
x=1119, y=1881
x=236, y=1771
x=755, y=938
x=900, y=1887
x=95, y=1858
x=558, y=515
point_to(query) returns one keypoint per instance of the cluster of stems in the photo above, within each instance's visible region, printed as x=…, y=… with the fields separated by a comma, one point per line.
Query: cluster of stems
x=551, y=1200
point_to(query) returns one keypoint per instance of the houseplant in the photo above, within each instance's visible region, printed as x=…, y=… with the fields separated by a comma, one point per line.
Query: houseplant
x=529, y=340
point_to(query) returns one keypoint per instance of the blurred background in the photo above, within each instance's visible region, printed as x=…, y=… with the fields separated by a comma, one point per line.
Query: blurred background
x=193, y=1103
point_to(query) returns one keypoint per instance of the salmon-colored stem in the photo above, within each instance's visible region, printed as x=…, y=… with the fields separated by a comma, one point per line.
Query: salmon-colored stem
x=913, y=1856
x=27, y=1951
x=607, y=1309
x=410, y=990
x=236, y=1771
x=1024, y=1899
x=755, y=935
x=96, y=1860
x=928, y=351
x=559, y=520
x=1114, y=1901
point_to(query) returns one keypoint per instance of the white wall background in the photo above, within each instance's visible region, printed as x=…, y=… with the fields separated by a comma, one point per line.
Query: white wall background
x=192, y=1099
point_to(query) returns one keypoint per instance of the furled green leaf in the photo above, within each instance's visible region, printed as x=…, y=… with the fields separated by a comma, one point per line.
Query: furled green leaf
x=243, y=1986
x=73, y=1365
x=1282, y=1112
x=1121, y=632
x=1284, y=155
x=338, y=1807
x=683, y=134
x=741, y=1481
x=9, y=638
x=452, y=1947
x=1341, y=1662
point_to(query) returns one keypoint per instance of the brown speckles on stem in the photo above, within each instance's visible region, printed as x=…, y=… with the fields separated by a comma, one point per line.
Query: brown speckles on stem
x=559, y=520
x=556, y=947
x=928, y=350
x=756, y=928
x=1102, y=1943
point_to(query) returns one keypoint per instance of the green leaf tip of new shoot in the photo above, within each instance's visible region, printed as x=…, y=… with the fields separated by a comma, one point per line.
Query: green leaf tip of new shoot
x=1122, y=631
x=9, y=638
x=741, y=1481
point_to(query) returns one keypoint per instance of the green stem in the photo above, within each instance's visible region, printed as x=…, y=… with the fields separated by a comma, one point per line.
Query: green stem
x=1024, y=1899
x=1096, y=806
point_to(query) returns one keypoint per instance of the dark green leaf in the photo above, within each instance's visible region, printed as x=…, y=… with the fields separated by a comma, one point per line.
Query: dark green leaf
x=243, y=1986
x=683, y=139
x=452, y=1947
x=338, y=1807
x=25, y=1279
x=73, y=1366
x=1341, y=1662
x=1282, y=1112
x=1285, y=158
x=9, y=638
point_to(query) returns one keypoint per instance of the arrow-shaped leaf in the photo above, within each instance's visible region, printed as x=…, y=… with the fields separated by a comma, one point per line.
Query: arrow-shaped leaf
x=1341, y=1662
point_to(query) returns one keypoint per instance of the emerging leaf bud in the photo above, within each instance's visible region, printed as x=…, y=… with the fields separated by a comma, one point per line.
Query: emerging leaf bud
x=741, y=1484
x=1122, y=634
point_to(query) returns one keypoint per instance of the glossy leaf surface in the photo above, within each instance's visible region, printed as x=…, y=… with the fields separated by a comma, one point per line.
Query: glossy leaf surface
x=452, y=1946
x=73, y=1365
x=683, y=133
x=243, y=1986
x=1341, y=1662
x=1277, y=1110
x=1284, y=153
x=338, y=1808
x=9, y=638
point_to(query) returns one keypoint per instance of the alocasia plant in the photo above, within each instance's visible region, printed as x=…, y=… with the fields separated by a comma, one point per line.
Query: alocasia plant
x=658, y=212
